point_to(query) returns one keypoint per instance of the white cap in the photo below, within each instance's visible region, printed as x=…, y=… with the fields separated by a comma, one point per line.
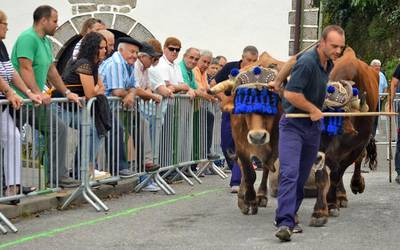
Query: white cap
x=375, y=62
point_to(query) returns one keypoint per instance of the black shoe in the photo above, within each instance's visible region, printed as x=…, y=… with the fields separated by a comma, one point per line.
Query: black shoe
x=284, y=233
x=68, y=182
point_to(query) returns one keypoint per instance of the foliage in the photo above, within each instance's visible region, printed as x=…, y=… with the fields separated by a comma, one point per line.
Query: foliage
x=371, y=27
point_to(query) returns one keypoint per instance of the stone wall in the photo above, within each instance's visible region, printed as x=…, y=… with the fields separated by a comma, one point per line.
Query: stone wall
x=85, y=6
x=309, y=25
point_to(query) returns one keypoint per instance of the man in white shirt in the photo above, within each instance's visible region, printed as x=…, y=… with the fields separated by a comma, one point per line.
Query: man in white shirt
x=169, y=70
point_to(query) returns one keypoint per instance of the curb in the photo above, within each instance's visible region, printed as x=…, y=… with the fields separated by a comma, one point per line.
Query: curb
x=35, y=204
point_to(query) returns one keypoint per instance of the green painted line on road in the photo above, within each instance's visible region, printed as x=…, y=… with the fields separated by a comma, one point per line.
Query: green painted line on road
x=127, y=212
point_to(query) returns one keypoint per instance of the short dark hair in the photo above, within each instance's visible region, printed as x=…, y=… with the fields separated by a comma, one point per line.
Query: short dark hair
x=42, y=11
x=330, y=28
x=219, y=58
x=252, y=49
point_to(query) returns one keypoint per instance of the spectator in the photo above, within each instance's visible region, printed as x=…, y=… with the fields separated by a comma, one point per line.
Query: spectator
x=81, y=76
x=212, y=69
x=146, y=57
x=200, y=73
x=109, y=36
x=221, y=61
x=123, y=83
x=169, y=70
x=90, y=25
x=32, y=58
x=376, y=64
x=158, y=85
x=393, y=86
x=249, y=55
x=10, y=139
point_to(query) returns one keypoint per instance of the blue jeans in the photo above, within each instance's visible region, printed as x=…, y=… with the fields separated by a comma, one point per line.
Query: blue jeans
x=299, y=141
x=73, y=120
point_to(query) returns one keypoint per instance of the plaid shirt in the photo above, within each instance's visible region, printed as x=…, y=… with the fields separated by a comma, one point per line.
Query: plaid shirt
x=117, y=74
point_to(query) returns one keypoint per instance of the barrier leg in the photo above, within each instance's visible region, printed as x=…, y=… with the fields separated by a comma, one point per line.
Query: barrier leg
x=194, y=175
x=7, y=223
x=158, y=179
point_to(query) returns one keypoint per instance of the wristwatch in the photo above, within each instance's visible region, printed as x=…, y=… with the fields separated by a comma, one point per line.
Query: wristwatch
x=67, y=92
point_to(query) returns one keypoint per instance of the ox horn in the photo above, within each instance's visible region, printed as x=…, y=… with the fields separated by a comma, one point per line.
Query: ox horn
x=222, y=86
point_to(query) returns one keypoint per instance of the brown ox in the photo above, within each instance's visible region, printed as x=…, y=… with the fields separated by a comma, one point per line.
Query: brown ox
x=344, y=150
x=341, y=151
x=255, y=136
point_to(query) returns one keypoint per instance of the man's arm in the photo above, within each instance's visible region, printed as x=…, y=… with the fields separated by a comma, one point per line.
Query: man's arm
x=17, y=81
x=58, y=83
x=27, y=75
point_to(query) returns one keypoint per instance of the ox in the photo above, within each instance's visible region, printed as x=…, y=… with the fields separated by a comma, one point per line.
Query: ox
x=256, y=139
x=339, y=152
x=344, y=150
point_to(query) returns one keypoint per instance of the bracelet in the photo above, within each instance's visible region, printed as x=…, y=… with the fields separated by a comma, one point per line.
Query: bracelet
x=67, y=92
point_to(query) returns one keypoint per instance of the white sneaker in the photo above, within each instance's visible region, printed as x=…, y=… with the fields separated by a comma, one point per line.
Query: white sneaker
x=398, y=179
x=234, y=189
x=152, y=187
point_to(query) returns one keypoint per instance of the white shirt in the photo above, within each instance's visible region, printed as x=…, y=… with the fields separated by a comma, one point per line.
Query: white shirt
x=169, y=71
x=141, y=76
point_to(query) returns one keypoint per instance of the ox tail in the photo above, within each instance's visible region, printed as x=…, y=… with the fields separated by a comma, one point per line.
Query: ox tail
x=372, y=155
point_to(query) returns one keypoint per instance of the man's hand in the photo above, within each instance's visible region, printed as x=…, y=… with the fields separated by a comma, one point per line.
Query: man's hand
x=316, y=115
x=46, y=99
x=74, y=98
x=275, y=86
x=36, y=99
x=14, y=99
x=128, y=100
x=172, y=88
x=156, y=98
x=191, y=93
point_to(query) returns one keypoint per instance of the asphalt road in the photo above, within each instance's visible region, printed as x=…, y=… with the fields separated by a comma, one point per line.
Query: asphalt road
x=206, y=217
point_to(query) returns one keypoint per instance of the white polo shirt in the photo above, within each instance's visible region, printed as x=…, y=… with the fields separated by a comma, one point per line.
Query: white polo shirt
x=141, y=76
x=169, y=71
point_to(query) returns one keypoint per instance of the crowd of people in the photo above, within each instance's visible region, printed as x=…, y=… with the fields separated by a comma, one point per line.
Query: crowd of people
x=100, y=66
x=127, y=68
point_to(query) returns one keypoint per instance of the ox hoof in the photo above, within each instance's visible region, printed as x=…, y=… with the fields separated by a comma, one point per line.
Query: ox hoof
x=262, y=201
x=247, y=208
x=334, y=212
x=357, y=186
x=318, y=222
x=342, y=203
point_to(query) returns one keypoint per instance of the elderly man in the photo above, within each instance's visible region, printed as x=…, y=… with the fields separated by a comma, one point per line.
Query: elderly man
x=376, y=64
x=32, y=58
x=169, y=70
x=249, y=56
x=123, y=83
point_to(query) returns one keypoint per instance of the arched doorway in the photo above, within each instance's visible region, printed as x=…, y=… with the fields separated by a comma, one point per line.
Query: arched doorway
x=67, y=35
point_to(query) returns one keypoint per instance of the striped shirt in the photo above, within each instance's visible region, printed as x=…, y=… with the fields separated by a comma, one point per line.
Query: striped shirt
x=116, y=73
x=76, y=50
x=6, y=68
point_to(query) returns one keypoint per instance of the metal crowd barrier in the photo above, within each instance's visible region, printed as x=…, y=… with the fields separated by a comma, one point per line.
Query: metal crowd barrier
x=382, y=130
x=44, y=143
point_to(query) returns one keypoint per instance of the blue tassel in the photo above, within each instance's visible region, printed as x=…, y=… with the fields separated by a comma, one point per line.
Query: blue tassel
x=235, y=72
x=330, y=89
x=257, y=70
x=355, y=92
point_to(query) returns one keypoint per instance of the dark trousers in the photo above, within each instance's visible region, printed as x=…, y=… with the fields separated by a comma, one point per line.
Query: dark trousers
x=299, y=141
x=397, y=155
x=228, y=144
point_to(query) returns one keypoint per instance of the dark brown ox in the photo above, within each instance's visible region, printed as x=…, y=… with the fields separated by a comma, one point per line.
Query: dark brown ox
x=344, y=150
x=255, y=136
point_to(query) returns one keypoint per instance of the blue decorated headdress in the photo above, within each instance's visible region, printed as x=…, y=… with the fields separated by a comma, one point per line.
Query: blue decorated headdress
x=252, y=94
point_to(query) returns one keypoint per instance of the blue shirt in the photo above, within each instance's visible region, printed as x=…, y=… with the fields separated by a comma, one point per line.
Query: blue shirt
x=117, y=73
x=309, y=78
x=382, y=82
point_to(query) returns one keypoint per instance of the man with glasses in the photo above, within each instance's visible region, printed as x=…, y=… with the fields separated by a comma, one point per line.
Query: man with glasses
x=169, y=70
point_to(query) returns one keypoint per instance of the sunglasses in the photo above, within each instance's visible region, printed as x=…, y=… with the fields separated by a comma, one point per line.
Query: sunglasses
x=172, y=49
